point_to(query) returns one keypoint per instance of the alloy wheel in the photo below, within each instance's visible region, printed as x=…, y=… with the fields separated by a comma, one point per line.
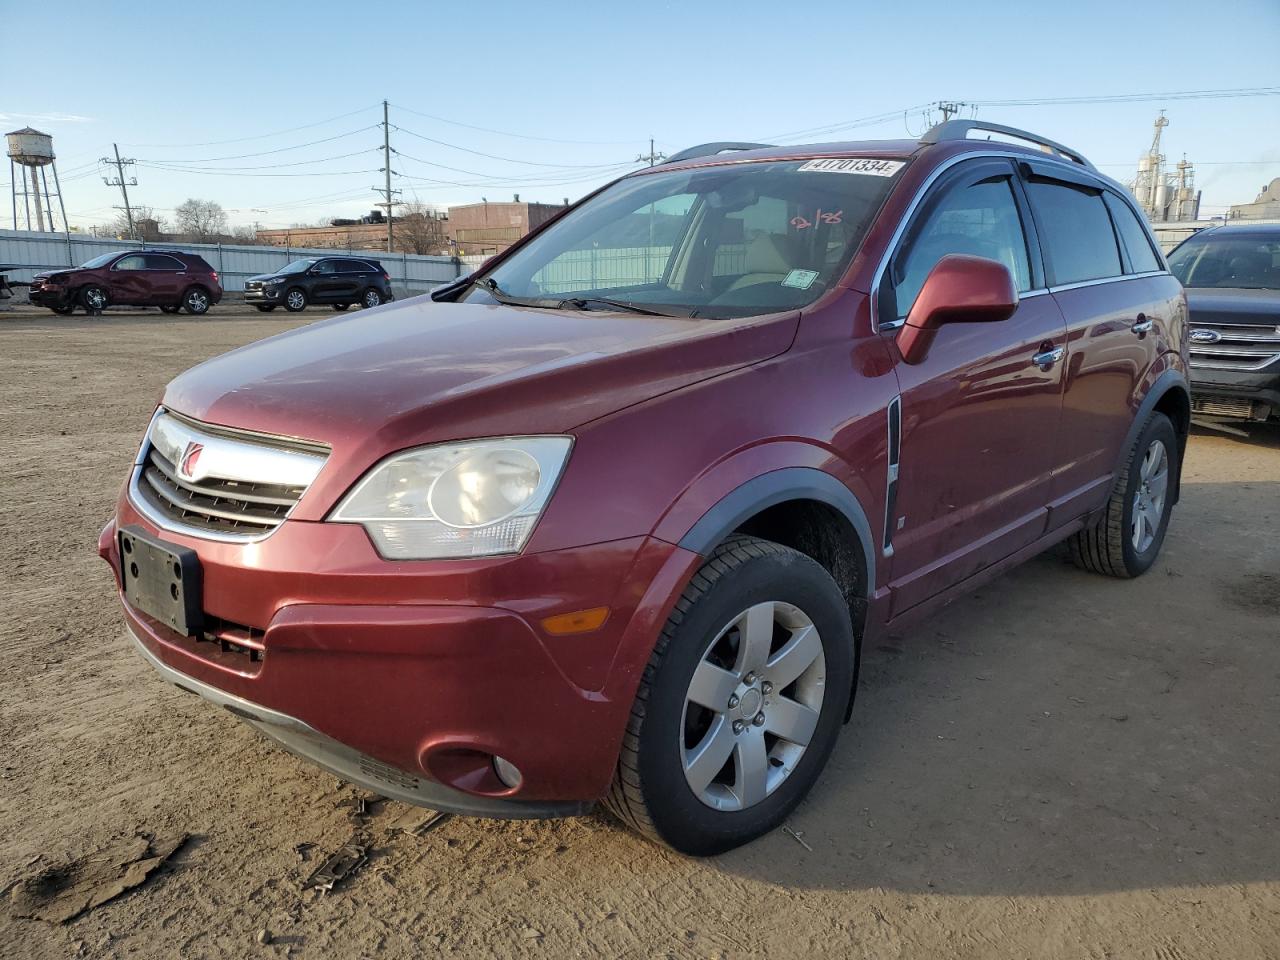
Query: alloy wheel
x=197, y=302
x=95, y=298
x=295, y=300
x=372, y=298
x=1148, y=500
x=752, y=705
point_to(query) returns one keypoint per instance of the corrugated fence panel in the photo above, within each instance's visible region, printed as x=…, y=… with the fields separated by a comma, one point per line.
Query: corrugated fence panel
x=34, y=252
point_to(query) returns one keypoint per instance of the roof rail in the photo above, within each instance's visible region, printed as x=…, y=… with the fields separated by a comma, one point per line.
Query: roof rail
x=959, y=130
x=711, y=149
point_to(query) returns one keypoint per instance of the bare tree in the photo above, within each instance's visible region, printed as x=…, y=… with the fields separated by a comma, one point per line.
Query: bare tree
x=146, y=225
x=202, y=220
x=246, y=235
x=419, y=229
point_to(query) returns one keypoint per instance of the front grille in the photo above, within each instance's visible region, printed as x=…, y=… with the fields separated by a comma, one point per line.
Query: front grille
x=223, y=505
x=1243, y=347
x=1238, y=408
x=220, y=484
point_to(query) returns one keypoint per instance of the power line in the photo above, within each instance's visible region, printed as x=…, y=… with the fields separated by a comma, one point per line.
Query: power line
x=174, y=165
x=260, y=136
x=493, y=156
x=1221, y=94
x=497, y=179
x=263, y=153
x=518, y=136
x=224, y=173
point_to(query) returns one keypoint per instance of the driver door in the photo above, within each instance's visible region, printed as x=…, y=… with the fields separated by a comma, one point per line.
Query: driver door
x=979, y=417
x=129, y=280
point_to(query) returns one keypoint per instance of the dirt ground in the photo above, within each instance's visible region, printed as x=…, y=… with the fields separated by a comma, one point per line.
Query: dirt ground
x=1058, y=766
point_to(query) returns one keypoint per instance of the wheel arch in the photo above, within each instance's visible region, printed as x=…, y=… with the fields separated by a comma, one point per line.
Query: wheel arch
x=810, y=511
x=1170, y=394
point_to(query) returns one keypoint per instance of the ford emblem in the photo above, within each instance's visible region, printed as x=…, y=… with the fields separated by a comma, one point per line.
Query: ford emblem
x=1205, y=336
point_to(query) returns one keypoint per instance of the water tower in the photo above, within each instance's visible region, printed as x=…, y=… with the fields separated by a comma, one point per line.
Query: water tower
x=30, y=154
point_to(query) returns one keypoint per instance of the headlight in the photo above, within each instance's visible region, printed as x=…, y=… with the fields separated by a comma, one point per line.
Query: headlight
x=474, y=498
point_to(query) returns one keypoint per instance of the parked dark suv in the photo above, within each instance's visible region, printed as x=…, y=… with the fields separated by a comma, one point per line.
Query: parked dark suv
x=166, y=279
x=613, y=519
x=340, y=281
x=1232, y=276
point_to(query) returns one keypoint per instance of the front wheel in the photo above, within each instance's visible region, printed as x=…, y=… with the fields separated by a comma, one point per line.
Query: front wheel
x=195, y=301
x=93, y=298
x=372, y=298
x=295, y=300
x=741, y=702
x=1127, y=539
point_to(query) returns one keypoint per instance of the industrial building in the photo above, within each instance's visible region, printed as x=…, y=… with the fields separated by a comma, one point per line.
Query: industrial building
x=415, y=233
x=488, y=228
x=1165, y=195
x=1265, y=207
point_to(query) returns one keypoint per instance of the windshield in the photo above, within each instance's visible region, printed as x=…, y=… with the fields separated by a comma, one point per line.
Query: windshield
x=99, y=261
x=1214, y=260
x=298, y=266
x=726, y=241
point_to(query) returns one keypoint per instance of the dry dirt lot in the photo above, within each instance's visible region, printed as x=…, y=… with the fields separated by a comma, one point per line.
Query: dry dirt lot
x=1058, y=766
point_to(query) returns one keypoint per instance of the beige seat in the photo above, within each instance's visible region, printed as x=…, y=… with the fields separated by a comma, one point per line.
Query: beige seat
x=770, y=257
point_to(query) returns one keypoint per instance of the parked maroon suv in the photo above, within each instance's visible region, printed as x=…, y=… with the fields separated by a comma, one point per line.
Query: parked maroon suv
x=613, y=519
x=166, y=279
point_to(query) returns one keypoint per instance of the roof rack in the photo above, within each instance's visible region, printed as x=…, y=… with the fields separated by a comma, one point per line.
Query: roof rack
x=711, y=149
x=959, y=130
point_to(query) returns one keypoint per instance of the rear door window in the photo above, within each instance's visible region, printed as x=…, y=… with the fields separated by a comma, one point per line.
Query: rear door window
x=979, y=220
x=158, y=261
x=1142, y=259
x=355, y=266
x=1075, y=232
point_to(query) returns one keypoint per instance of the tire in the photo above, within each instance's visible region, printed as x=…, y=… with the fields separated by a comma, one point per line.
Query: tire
x=93, y=298
x=1143, y=491
x=295, y=300
x=341, y=306
x=265, y=307
x=170, y=309
x=371, y=298
x=659, y=788
x=196, y=301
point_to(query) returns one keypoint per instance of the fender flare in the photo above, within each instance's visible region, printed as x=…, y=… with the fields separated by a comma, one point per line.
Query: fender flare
x=772, y=488
x=1172, y=379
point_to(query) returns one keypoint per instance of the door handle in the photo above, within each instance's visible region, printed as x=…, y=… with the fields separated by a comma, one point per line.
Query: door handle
x=1047, y=358
x=1142, y=326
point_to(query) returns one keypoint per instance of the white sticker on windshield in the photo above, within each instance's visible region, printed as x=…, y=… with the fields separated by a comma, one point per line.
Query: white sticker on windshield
x=867, y=166
x=800, y=279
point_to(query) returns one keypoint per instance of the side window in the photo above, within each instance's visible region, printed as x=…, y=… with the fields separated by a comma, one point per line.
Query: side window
x=327, y=266
x=135, y=261
x=1141, y=257
x=1075, y=232
x=158, y=261
x=980, y=220
x=355, y=266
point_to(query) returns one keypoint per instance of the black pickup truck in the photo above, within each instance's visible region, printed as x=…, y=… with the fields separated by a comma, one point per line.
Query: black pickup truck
x=1232, y=277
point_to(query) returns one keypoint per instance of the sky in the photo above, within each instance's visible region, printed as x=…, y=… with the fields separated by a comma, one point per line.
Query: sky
x=272, y=109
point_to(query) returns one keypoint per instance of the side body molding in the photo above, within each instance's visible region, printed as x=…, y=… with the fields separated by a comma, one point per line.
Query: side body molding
x=779, y=486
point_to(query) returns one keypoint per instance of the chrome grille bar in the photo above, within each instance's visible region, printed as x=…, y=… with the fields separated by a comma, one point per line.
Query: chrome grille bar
x=1244, y=347
x=220, y=484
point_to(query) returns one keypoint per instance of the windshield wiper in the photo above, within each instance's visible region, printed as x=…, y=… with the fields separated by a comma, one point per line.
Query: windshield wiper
x=490, y=286
x=582, y=304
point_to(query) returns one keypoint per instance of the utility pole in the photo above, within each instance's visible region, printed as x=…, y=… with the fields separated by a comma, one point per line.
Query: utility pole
x=386, y=158
x=123, y=185
x=651, y=157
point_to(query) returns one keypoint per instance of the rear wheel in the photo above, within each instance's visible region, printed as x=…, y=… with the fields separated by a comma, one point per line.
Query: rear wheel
x=93, y=298
x=1127, y=540
x=741, y=702
x=295, y=300
x=341, y=306
x=371, y=298
x=196, y=301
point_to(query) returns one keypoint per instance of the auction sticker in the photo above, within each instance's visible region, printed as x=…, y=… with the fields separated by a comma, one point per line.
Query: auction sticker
x=867, y=166
x=800, y=279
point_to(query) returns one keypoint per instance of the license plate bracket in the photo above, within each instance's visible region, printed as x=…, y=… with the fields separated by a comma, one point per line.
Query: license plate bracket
x=161, y=579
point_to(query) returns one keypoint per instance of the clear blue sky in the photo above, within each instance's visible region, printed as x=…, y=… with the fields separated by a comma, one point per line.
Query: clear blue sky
x=165, y=79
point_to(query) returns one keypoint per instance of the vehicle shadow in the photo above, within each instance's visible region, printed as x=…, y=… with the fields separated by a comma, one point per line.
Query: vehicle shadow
x=1249, y=433
x=1061, y=732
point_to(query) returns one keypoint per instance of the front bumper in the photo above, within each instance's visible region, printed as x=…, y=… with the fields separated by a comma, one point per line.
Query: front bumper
x=49, y=296
x=262, y=295
x=411, y=677
x=1260, y=387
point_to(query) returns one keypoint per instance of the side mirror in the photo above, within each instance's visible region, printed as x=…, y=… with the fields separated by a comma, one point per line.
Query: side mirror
x=959, y=289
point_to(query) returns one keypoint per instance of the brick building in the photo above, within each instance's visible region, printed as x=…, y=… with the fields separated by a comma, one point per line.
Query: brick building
x=484, y=228
x=416, y=233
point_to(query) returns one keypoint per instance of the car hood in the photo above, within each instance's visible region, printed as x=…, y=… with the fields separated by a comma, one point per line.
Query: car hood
x=264, y=277
x=418, y=371
x=1229, y=305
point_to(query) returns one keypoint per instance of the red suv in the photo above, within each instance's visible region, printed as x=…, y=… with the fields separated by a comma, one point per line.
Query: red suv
x=611, y=520
x=167, y=279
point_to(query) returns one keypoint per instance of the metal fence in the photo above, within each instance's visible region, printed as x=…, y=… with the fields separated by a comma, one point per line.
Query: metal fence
x=33, y=252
